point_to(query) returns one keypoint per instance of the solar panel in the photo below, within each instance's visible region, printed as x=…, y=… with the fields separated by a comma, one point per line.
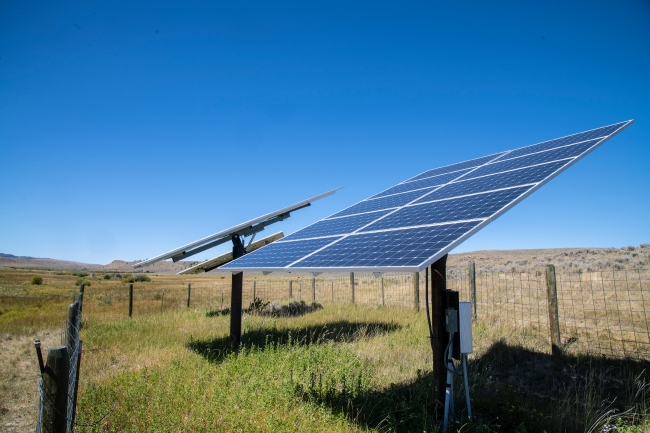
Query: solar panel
x=248, y=228
x=414, y=223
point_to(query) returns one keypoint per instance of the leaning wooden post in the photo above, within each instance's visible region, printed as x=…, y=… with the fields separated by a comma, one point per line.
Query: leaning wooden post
x=352, y=285
x=55, y=390
x=130, y=299
x=553, y=315
x=189, y=289
x=290, y=289
x=313, y=289
x=472, y=287
x=416, y=291
x=439, y=333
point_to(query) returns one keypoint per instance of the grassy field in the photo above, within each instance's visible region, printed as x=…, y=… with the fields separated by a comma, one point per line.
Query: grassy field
x=340, y=368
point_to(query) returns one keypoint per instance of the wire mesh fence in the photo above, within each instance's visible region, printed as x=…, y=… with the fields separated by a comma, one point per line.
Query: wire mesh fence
x=600, y=312
x=58, y=384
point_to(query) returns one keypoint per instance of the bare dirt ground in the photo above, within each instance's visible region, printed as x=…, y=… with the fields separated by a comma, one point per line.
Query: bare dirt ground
x=19, y=372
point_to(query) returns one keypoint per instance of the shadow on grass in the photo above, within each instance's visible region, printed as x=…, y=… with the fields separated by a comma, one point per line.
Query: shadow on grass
x=271, y=309
x=215, y=349
x=512, y=389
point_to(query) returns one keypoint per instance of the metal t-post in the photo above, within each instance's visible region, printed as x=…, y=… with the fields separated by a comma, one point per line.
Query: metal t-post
x=236, y=298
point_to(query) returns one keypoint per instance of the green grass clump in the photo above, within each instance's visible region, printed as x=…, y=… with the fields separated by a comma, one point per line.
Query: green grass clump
x=81, y=281
x=36, y=280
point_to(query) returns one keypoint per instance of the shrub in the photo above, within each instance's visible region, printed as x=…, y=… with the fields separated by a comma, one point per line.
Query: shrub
x=36, y=280
x=80, y=274
x=81, y=281
x=107, y=277
x=128, y=279
x=142, y=279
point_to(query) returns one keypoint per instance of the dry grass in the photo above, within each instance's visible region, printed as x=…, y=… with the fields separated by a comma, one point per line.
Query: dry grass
x=174, y=371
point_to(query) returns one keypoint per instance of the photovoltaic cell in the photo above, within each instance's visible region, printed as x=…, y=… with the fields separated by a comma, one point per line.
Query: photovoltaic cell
x=536, y=158
x=575, y=138
x=336, y=226
x=530, y=175
x=398, y=248
x=455, y=209
x=455, y=167
x=392, y=201
x=419, y=184
x=281, y=254
x=409, y=226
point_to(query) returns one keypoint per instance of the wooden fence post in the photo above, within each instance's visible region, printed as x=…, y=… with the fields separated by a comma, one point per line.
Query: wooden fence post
x=82, y=290
x=352, y=285
x=553, y=315
x=472, y=287
x=313, y=289
x=189, y=289
x=130, y=299
x=383, y=299
x=55, y=390
x=416, y=291
x=254, y=290
x=71, y=329
x=290, y=289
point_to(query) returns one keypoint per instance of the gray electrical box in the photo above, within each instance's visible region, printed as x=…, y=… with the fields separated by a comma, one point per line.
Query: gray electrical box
x=465, y=325
x=451, y=320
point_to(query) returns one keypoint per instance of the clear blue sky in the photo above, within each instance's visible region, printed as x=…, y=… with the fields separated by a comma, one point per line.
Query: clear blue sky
x=131, y=128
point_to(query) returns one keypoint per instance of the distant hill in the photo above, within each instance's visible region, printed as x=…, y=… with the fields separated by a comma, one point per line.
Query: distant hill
x=10, y=260
x=11, y=256
x=585, y=259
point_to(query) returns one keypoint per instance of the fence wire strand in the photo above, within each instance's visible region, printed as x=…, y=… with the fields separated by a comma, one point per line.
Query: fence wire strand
x=600, y=312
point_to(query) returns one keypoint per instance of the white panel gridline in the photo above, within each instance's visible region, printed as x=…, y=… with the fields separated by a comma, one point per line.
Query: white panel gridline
x=409, y=226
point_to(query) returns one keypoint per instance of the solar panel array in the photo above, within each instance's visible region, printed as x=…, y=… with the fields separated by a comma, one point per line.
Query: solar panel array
x=409, y=226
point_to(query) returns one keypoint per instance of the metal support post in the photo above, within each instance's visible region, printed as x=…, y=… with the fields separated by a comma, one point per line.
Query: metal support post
x=466, y=380
x=439, y=335
x=237, y=294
